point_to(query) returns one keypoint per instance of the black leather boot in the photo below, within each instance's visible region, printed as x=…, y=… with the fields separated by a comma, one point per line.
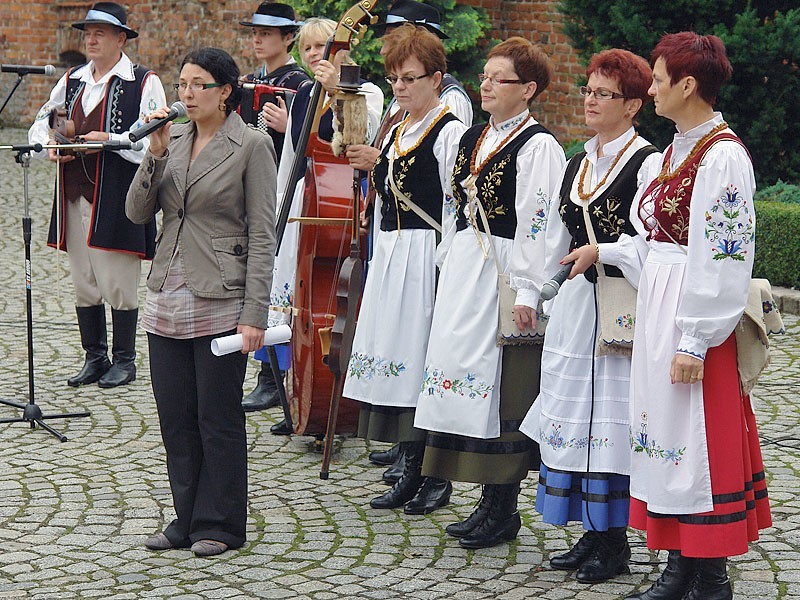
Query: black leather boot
x=433, y=494
x=609, y=557
x=92, y=325
x=408, y=485
x=395, y=471
x=462, y=528
x=265, y=395
x=501, y=524
x=674, y=581
x=711, y=580
x=123, y=349
x=384, y=459
x=577, y=555
x=281, y=428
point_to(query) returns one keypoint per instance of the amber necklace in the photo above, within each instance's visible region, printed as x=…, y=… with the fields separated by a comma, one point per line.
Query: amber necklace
x=584, y=196
x=472, y=169
x=402, y=126
x=666, y=176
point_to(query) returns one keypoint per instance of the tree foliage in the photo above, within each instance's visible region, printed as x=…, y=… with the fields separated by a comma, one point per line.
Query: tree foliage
x=763, y=42
x=467, y=27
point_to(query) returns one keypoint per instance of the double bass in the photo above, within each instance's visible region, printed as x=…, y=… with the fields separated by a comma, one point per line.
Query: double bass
x=325, y=239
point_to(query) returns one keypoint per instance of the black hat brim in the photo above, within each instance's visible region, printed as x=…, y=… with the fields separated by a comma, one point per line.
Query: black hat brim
x=129, y=33
x=380, y=29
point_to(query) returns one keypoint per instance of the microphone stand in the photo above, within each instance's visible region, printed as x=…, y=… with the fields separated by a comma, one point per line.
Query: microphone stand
x=11, y=93
x=32, y=413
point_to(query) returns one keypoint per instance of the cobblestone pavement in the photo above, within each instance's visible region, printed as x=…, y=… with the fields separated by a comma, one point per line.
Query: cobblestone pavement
x=73, y=515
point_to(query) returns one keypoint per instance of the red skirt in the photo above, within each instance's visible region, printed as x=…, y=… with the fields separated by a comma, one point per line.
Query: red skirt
x=738, y=485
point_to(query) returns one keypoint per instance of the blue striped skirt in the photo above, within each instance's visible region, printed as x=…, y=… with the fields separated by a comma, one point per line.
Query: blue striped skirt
x=598, y=500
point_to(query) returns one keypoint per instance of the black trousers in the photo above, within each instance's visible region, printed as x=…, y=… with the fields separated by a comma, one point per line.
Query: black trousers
x=199, y=400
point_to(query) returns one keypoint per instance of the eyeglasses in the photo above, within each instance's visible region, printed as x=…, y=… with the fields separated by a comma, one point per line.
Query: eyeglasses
x=195, y=87
x=599, y=93
x=407, y=79
x=495, y=81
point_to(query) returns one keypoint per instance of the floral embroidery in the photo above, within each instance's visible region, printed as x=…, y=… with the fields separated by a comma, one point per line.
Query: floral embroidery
x=611, y=224
x=767, y=306
x=489, y=187
x=556, y=441
x=364, y=366
x=434, y=383
x=642, y=444
x=449, y=205
x=729, y=225
x=284, y=297
x=626, y=321
x=539, y=219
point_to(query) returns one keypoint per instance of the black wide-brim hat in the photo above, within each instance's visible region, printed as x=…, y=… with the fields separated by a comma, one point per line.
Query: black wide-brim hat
x=107, y=13
x=273, y=14
x=416, y=13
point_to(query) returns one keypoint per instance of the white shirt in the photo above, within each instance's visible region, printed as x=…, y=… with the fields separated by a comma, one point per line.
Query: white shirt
x=94, y=91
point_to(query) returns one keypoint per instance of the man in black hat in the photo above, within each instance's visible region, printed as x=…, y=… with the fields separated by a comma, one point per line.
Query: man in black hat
x=105, y=99
x=363, y=157
x=274, y=28
x=273, y=32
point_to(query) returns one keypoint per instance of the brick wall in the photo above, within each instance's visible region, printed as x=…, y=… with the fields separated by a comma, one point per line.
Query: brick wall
x=35, y=32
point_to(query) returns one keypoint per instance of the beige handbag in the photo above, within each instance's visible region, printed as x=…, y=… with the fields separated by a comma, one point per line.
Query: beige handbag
x=507, y=332
x=616, y=300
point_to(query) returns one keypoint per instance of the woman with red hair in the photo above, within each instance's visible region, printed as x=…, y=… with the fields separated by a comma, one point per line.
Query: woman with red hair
x=697, y=479
x=580, y=418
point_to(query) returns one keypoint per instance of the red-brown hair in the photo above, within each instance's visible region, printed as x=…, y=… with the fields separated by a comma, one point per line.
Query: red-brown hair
x=530, y=61
x=700, y=56
x=411, y=41
x=630, y=71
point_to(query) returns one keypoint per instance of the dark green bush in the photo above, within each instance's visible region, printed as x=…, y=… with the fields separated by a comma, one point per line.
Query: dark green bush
x=778, y=243
x=780, y=192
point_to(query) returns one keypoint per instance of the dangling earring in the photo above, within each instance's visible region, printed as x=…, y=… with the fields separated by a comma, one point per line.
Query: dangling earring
x=221, y=106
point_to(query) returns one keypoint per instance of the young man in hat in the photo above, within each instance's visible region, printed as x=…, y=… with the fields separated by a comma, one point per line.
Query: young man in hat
x=273, y=31
x=106, y=99
x=363, y=157
x=274, y=28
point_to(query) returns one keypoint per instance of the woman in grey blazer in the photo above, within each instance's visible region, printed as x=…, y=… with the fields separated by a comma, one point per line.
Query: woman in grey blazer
x=214, y=181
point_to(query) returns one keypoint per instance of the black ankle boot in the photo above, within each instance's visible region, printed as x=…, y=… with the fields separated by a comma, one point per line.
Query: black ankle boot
x=501, y=524
x=92, y=325
x=265, y=395
x=395, y=471
x=281, y=428
x=711, y=580
x=609, y=557
x=462, y=528
x=384, y=459
x=577, y=555
x=674, y=581
x=408, y=485
x=123, y=350
x=433, y=494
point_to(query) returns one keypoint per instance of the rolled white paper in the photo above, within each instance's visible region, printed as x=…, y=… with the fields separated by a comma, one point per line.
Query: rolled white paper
x=233, y=343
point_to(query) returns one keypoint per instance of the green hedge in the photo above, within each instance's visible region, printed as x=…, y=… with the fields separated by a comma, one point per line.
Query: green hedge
x=778, y=243
x=780, y=192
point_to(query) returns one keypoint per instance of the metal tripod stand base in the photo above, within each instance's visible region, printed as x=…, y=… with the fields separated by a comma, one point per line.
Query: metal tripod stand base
x=31, y=413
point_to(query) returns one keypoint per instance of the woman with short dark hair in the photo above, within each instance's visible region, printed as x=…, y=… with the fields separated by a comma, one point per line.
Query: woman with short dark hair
x=697, y=479
x=213, y=179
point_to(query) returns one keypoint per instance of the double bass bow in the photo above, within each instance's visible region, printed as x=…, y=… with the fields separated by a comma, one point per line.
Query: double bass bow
x=327, y=208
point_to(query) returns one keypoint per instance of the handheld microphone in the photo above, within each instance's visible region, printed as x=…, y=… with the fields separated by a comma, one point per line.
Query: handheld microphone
x=178, y=109
x=550, y=289
x=48, y=70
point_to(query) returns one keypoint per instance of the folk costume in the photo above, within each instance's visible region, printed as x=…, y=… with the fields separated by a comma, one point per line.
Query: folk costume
x=474, y=394
x=88, y=220
x=580, y=418
x=388, y=358
x=697, y=478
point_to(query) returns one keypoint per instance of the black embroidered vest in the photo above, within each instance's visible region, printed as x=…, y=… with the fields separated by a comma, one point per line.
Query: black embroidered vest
x=497, y=181
x=417, y=176
x=609, y=212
